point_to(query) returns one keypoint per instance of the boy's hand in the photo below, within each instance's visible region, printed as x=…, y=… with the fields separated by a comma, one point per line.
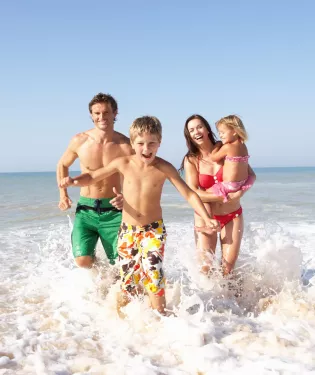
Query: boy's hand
x=117, y=201
x=67, y=181
x=210, y=227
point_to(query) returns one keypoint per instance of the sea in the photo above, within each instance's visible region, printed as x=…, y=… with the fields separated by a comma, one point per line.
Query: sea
x=57, y=319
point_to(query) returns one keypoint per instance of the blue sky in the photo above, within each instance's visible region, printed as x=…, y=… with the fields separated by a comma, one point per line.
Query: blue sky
x=165, y=58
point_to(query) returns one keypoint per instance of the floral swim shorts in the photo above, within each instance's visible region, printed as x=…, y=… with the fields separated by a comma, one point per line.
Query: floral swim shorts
x=141, y=253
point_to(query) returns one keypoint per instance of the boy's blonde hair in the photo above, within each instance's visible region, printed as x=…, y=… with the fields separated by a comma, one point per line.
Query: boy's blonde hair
x=234, y=123
x=145, y=124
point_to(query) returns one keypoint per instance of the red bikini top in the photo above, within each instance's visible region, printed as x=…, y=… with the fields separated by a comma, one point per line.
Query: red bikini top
x=206, y=181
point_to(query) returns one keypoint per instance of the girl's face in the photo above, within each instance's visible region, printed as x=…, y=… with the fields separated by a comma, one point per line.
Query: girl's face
x=197, y=131
x=227, y=134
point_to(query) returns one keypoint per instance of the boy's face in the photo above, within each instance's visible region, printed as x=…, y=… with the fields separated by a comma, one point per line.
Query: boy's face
x=146, y=146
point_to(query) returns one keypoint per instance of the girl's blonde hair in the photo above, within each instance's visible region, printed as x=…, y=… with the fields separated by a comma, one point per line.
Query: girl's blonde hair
x=234, y=123
x=145, y=124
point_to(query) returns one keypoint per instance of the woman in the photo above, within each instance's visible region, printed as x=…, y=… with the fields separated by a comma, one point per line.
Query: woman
x=201, y=174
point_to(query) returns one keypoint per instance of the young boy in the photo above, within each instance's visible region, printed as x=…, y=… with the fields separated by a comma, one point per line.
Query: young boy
x=142, y=235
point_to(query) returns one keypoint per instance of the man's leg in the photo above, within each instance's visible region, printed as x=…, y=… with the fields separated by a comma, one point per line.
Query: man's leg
x=84, y=238
x=109, y=224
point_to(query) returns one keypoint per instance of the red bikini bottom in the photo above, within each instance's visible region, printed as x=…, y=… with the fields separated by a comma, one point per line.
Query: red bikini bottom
x=225, y=219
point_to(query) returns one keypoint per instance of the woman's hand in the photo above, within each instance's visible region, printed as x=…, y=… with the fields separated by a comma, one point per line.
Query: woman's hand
x=235, y=196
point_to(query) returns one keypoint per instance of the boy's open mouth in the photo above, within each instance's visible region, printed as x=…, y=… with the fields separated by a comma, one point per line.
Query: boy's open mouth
x=147, y=156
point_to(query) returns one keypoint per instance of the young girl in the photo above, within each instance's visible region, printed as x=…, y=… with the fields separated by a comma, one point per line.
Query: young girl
x=234, y=153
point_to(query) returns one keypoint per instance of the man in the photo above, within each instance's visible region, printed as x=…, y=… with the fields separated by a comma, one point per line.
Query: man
x=97, y=214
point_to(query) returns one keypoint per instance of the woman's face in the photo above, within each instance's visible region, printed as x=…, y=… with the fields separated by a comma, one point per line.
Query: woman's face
x=197, y=131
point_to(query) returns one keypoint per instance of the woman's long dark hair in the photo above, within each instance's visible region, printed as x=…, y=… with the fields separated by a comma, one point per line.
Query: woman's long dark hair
x=193, y=150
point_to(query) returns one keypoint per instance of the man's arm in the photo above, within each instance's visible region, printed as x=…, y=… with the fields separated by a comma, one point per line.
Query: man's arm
x=86, y=179
x=191, y=197
x=63, y=165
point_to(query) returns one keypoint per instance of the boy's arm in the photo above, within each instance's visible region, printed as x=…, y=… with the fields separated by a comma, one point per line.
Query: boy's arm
x=86, y=179
x=218, y=154
x=191, y=197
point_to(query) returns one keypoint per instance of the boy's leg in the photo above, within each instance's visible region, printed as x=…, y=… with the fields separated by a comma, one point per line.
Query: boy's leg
x=152, y=246
x=157, y=302
x=122, y=300
x=129, y=265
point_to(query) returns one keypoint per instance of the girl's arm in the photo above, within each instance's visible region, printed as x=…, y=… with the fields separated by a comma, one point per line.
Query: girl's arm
x=218, y=154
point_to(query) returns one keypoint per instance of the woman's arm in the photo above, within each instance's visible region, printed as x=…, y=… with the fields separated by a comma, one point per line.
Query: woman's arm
x=250, y=181
x=191, y=178
x=251, y=172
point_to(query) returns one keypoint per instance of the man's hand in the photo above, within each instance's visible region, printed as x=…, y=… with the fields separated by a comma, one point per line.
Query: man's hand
x=66, y=182
x=117, y=201
x=65, y=203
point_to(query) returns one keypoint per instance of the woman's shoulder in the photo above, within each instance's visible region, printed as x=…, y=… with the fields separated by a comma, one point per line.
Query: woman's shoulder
x=190, y=160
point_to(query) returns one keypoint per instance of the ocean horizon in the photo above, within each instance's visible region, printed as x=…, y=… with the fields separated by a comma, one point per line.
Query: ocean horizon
x=260, y=169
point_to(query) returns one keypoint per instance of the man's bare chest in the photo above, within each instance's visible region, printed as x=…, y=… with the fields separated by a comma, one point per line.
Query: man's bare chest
x=94, y=156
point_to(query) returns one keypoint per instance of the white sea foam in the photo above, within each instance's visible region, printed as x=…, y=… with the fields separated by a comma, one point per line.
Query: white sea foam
x=58, y=319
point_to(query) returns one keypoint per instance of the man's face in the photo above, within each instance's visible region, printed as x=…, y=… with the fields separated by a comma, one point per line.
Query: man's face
x=146, y=147
x=103, y=116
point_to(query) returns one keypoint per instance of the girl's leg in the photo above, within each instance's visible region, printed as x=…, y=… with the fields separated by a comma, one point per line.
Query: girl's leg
x=231, y=238
x=205, y=243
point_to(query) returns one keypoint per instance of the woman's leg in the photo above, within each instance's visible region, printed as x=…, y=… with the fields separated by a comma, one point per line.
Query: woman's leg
x=231, y=238
x=205, y=243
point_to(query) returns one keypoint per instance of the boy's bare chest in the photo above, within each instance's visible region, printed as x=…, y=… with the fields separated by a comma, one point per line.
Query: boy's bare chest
x=144, y=180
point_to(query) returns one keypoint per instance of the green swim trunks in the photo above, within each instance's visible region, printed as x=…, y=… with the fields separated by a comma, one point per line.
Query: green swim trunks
x=94, y=219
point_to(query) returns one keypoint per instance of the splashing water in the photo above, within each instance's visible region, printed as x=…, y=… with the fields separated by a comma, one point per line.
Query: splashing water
x=58, y=319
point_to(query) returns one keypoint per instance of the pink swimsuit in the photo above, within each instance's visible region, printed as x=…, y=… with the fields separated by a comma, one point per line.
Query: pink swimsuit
x=223, y=188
